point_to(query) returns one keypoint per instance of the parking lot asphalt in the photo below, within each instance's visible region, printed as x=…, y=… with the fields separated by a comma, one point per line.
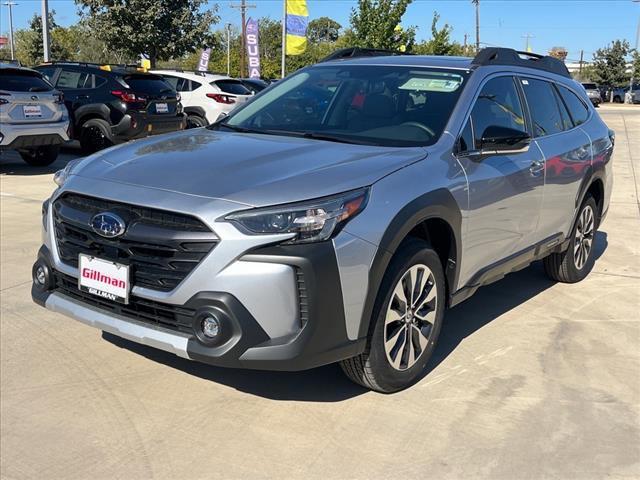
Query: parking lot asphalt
x=531, y=379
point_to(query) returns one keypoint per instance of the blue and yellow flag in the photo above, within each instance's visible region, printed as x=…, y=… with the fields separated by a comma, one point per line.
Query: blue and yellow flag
x=297, y=20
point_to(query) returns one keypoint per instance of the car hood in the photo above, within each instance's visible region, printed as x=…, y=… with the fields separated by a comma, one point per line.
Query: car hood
x=252, y=169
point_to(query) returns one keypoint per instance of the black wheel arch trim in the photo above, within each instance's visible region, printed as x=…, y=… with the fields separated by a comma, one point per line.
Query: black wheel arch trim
x=437, y=204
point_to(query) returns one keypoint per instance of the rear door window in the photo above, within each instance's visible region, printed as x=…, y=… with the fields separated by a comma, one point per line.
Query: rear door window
x=578, y=110
x=235, y=87
x=15, y=80
x=497, y=105
x=564, y=113
x=544, y=108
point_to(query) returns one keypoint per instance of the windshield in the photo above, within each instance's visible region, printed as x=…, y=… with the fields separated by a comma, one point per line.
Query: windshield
x=149, y=84
x=379, y=105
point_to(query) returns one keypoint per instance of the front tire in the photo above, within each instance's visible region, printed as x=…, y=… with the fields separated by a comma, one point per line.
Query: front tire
x=406, y=321
x=574, y=264
x=40, y=156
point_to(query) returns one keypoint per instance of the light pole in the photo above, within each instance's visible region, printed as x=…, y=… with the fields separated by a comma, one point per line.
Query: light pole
x=11, y=5
x=228, y=25
x=637, y=53
x=477, y=4
x=45, y=30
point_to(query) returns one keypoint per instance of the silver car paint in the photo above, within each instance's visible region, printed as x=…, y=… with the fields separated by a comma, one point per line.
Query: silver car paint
x=263, y=170
x=256, y=170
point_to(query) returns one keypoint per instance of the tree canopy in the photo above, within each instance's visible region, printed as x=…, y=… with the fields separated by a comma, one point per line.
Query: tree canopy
x=374, y=24
x=610, y=63
x=160, y=29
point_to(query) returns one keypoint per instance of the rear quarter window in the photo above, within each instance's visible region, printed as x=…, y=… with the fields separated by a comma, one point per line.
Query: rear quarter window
x=234, y=87
x=578, y=110
x=14, y=80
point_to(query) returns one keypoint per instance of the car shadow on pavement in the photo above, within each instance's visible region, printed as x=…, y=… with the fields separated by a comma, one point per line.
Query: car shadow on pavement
x=12, y=164
x=328, y=384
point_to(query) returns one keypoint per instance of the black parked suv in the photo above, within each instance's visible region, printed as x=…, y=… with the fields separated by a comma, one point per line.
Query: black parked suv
x=112, y=104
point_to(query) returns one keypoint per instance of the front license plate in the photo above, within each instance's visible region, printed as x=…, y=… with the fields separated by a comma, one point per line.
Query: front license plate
x=32, y=111
x=162, y=108
x=103, y=278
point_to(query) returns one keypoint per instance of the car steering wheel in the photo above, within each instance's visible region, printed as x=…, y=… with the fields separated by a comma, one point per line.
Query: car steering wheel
x=420, y=126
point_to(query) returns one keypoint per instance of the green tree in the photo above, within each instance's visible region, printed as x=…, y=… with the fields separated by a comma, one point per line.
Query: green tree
x=610, y=64
x=374, y=24
x=323, y=29
x=29, y=44
x=161, y=29
x=440, y=42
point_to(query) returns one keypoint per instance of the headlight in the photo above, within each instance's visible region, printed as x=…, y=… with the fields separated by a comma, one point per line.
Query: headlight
x=311, y=221
x=61, y=176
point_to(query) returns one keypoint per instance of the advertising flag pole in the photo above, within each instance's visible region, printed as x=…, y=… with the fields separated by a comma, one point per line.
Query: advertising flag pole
x=284, y=37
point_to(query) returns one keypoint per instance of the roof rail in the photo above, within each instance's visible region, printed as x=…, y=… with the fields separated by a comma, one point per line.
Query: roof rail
x=509, y=56
x=11, y=62
x=91, y=64
x=196, y=72
x=355, y=52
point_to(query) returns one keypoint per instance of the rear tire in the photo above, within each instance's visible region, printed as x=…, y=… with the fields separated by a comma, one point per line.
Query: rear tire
x=196, y=121
x=40, y=156
x=95, y=135
x=410, y=306
x=574, y=264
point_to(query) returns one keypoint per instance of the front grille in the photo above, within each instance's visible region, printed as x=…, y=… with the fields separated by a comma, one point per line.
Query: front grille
x=160, y=247
x=162, y=314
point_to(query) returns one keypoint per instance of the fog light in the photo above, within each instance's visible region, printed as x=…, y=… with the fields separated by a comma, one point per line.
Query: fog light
x=210, y=326
x=42, y=276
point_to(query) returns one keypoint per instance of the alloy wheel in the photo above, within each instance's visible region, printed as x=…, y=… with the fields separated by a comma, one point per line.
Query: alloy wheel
x=584, y=237
x=410, y=317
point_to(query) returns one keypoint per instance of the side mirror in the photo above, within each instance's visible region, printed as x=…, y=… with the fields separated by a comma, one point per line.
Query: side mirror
x=504, y=139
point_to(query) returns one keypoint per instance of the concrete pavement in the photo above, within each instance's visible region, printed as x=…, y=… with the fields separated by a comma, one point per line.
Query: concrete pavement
x=531, y=379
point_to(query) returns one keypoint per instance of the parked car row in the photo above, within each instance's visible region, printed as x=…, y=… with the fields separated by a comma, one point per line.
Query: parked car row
x=102, y=105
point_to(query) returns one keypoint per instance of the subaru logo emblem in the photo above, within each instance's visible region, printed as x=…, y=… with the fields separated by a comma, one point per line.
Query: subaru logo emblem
x=34, y=97
x=108, y=225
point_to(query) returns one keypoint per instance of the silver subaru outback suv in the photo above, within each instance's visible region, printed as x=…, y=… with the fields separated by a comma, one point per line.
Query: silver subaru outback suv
x=336, y=216
x=33, y=118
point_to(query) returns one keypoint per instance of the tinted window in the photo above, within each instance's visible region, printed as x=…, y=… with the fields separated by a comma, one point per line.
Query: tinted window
x=150, y=84
x=567, y=124
x=15, y=80
x=590, y=86
x=173, y=81
x=497, y=105
x=543, y=106
x=466, y=138
x=578, y=110
x=72, y=79
x=234, y=87
x=48, y=72
x=99, y=81
x=195, y=85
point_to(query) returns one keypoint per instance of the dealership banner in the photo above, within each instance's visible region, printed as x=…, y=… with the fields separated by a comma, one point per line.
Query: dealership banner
x=253, y=50
x=203, y=64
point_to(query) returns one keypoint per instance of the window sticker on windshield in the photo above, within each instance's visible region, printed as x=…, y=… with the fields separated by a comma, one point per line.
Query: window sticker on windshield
x=525, y=82
x=422, y=84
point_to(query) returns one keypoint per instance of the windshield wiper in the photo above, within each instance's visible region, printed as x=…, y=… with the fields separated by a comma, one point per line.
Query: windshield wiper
x=322, y=136
x=235, y=128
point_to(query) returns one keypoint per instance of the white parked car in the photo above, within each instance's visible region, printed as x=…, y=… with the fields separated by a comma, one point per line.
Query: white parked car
x=34, y=119
x=205, y=96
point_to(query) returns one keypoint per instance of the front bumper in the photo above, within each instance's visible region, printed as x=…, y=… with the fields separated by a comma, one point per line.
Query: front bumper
x=16, y=136
x=318, y=338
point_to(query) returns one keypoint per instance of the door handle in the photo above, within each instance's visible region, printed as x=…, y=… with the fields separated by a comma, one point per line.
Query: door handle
x=536, y=168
